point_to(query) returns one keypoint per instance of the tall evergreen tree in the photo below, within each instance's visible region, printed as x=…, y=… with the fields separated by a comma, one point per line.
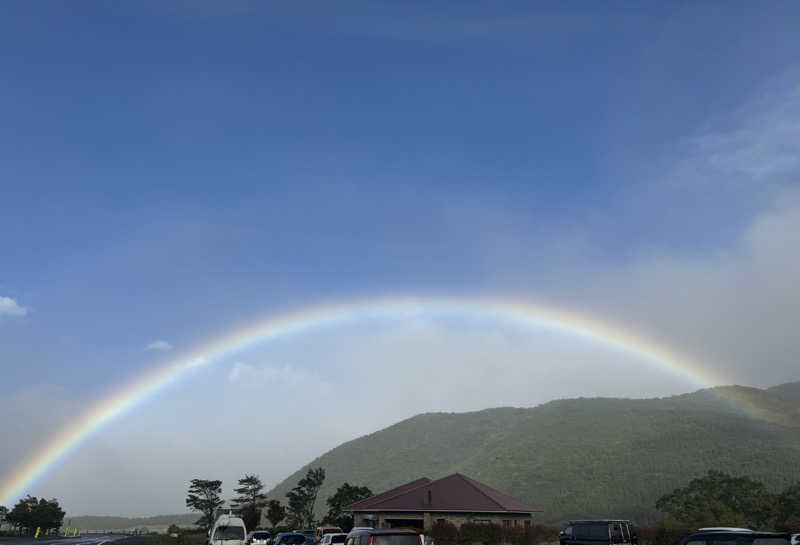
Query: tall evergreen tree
x=275, y=512
x=303, y=497
x=343, y=497
x=250, y=500
x=204, y=497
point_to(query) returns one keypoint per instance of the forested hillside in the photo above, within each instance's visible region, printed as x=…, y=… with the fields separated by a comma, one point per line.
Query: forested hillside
x=583, y=457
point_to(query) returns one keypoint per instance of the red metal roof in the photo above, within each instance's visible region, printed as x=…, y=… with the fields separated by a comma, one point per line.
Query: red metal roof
x=455, y=492
x=390, y=493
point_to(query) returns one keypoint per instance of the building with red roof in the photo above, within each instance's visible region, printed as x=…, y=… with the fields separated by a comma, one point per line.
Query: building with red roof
x=456, y=499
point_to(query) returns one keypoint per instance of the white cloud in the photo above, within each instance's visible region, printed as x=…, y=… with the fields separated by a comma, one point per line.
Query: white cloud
x=730, y=297
x=759, y=146
x=737, y=308
x=159, y=345
x=10, y=307
x=275, y=377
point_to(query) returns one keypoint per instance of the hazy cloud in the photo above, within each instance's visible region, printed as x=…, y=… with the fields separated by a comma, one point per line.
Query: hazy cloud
x=10, y=307
x=159, y=345
x=732, y=304
x=277, y=377
x=755, y=145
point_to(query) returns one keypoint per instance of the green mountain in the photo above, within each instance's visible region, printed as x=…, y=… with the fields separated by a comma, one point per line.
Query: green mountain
x=583, y=458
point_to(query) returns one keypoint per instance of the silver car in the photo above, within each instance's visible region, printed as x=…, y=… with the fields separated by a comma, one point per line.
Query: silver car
x=333, y=539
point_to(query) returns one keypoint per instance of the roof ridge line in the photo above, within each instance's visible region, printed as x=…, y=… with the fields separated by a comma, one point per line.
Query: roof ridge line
x=387, y=498
x=473, y=485
x=405, y=491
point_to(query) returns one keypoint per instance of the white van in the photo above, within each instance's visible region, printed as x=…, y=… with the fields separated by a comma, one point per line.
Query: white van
x=227, y=530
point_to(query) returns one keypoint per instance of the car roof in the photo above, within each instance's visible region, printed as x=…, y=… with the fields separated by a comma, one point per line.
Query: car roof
x=227, y=520
x=724, y=529
x=379, y=531
x=738, y=531
x=600, y=521
x=228, y=517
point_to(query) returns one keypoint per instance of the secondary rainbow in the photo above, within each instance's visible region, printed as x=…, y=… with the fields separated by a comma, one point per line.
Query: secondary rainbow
x=525, y=313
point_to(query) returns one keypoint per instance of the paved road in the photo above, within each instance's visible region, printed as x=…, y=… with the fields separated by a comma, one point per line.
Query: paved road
x=88, y=539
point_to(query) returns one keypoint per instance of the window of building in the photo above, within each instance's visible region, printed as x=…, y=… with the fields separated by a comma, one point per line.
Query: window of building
x=527, y=524
x=440, y=521
x=506, y=523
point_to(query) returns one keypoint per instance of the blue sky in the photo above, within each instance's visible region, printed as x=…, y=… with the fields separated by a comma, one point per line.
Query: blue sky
x=167, y=172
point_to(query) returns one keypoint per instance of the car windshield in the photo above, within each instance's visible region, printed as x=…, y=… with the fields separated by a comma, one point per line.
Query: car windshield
x=260, y=535
x=338, y=539
x=229, y=532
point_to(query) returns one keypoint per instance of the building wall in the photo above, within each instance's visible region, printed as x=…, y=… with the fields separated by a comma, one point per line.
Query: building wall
x=514, y=519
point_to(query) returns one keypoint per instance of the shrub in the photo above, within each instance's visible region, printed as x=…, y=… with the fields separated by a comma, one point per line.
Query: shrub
x=445, y=533
x=487, y=534
x=670, y=532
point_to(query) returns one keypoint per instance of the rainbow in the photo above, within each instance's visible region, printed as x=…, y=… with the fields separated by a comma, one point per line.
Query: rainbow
x=528, y=314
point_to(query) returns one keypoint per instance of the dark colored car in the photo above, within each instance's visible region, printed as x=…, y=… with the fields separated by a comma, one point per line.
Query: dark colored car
x=599, y=532
x=292, y=538
x=736, y=536
x=309, y=535
x=383, y=536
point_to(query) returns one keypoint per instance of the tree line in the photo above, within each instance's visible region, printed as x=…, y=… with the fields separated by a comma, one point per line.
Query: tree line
x=31, y=513
x=719, y=499
x=204, y=497
x=715, y=499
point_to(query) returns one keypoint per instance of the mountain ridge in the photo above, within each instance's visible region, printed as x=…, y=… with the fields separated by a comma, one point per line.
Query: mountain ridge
x=559, y=455
x=485, y=446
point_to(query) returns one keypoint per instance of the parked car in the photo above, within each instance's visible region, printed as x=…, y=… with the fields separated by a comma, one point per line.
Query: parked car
x=322, y=530
x=291, y=538
x=594, y=532
x=332, y=539
x=227, y=530
x=739, y=536
x=259, y=537
x=309, y=533
x=795, y=539
x=383, y=536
